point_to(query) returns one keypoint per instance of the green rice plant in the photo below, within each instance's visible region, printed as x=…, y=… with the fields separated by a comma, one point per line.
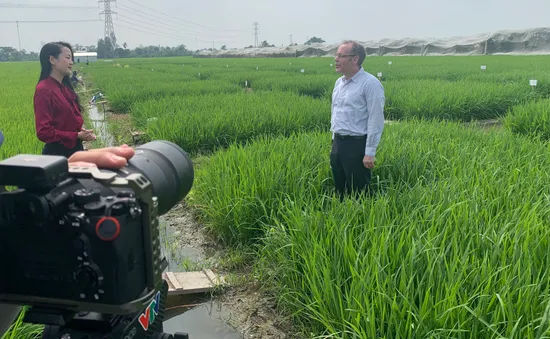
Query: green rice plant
x=446, y=90
x=245, y=78
x=453, y=244
x=21, y=330
x=121, y=101
x=239, y=188
x=459, y=100
x=315, y=86
x=451, y=88
x=16, y=109
x=208, y=122
x=532, y=118
x=459, y=68
x=124, y=87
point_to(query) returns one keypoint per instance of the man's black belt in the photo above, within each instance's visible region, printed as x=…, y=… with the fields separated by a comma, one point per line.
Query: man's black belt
x=348, y=137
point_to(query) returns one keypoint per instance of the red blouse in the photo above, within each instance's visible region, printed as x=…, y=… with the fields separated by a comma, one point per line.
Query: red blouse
x=57, y=116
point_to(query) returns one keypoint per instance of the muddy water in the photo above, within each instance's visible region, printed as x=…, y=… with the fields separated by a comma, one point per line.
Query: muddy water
x=205, y=321
x=99, y=125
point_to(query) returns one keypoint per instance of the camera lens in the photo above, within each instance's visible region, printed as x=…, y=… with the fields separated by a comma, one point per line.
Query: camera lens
x=169, y=169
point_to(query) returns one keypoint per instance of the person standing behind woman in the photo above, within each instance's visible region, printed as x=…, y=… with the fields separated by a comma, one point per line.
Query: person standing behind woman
x=57, y=108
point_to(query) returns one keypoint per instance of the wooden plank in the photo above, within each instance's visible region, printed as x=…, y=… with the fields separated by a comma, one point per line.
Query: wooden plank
x=170, y=285
x=215, y=279
x=191, y=282
x=172, y=278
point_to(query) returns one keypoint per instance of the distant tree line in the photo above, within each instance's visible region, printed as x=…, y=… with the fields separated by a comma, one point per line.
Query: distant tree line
x=104, y=50
x=11, y=54
x=107, y=50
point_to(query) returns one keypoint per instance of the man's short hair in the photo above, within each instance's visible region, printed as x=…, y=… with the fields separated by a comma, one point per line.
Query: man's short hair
x=356, y=49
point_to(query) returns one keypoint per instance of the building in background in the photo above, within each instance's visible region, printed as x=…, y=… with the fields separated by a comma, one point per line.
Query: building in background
x=85, y=57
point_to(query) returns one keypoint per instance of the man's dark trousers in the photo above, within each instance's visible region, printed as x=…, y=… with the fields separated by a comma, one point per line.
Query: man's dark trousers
x=346, y=161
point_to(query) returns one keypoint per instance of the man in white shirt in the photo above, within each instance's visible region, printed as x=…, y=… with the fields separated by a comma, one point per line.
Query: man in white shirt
x=357, y=121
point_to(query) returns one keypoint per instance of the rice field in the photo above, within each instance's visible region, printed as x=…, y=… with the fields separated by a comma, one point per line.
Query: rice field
x=453, y=244
x=16, y=109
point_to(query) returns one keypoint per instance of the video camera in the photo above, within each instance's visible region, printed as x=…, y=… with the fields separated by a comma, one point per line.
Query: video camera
x=81, y=246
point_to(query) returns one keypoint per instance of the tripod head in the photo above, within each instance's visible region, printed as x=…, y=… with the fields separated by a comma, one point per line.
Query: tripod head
x=81, y=245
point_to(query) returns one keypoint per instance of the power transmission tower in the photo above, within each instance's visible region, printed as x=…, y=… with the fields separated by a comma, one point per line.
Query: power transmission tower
x=256, y=34
x=109, y=27
x=290, y=36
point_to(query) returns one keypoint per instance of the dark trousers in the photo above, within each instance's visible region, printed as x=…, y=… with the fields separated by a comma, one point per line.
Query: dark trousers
x=346, y=162
x=58, y=149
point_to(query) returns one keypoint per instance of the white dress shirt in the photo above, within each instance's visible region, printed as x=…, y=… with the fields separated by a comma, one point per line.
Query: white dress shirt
x=358, y=108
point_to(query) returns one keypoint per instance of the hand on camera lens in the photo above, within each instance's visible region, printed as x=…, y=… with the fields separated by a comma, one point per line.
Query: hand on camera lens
x=110, y=157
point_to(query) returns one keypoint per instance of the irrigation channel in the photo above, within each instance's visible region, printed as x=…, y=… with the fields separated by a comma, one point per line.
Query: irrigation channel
x=205, y=321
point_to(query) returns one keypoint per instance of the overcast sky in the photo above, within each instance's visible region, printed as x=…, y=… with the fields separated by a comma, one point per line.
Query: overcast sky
x=200, y=24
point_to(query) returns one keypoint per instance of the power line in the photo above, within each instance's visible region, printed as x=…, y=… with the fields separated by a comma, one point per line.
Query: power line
x=189, y=22
x=149, y=25
x=163, y=23
x=159, y=20
x=159, y=33
x=162, y=35
x=151, y=30
x=150, y=20
x=219, y=42
x=137, y=12
x=148, y=32
x=47, y=21
x=9, y=5
x=141, y=23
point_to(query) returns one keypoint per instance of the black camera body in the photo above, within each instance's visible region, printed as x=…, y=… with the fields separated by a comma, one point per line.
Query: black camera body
x=82, y=240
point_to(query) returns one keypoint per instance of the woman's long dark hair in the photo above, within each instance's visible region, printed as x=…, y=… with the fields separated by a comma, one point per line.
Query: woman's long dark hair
x=54, y=49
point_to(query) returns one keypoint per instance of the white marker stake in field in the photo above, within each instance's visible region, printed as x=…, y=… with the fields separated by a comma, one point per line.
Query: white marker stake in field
x=246, y=83
x=483, y=67
x=379, y=74
x=533, y=83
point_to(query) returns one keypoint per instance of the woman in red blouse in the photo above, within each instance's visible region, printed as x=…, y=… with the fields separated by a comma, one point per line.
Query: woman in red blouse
x=57, y=109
